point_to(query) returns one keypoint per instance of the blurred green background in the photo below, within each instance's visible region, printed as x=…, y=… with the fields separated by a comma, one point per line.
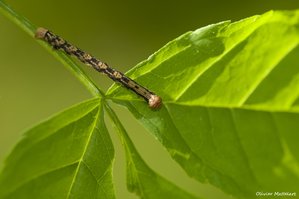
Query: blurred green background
x=33, y=85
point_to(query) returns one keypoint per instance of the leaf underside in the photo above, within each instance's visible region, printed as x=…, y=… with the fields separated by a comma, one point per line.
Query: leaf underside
x=231, y=102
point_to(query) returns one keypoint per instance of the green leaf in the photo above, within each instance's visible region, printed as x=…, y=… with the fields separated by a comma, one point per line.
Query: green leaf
x=141, y=179
x=230, y=92
x=67, y=156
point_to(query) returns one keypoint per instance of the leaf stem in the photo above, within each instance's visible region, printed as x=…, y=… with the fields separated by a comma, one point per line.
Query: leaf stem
x=30, y=29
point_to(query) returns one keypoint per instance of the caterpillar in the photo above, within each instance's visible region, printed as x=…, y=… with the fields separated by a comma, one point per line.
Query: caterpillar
x=153, y=100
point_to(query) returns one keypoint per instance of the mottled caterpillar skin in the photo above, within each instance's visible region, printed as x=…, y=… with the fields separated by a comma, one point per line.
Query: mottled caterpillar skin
x=58, y=43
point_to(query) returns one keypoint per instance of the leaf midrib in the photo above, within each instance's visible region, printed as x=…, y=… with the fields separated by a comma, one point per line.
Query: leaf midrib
x=266, y=108
x=40, y=175
x=96, y=120
x=64, y=166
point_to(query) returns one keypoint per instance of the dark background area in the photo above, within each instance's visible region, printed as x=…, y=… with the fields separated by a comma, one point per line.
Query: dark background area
x=34, y=85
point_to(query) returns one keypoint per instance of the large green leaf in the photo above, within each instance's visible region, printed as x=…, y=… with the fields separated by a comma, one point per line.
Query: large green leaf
x=230, y=114
x=67, y=156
